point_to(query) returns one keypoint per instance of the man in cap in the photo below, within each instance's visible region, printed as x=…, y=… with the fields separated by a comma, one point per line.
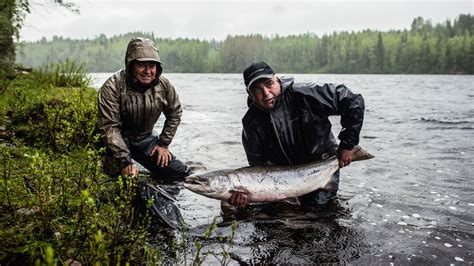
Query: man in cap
x=287, y=124
x=130, y=103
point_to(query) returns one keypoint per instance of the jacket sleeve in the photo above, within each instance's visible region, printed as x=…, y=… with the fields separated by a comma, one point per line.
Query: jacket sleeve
x=339, y=100
x=109, y=121
x=253, y=147
x=172, y=112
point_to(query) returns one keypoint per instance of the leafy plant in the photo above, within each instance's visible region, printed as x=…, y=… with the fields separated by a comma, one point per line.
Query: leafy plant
x=182, y=245
x=60, y=123
x=66, y=203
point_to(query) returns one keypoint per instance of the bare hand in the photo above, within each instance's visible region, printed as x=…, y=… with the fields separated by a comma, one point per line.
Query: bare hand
x=131, y=170
x=163, y=155
x=238, y=200
x=345, y=157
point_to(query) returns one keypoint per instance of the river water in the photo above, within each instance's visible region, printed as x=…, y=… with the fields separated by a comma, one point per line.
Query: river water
x=412, y=204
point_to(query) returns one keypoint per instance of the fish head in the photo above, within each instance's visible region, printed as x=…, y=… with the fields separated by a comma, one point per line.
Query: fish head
x=213, y=184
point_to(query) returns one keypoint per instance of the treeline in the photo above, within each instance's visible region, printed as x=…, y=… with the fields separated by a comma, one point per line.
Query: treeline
x=424, y=48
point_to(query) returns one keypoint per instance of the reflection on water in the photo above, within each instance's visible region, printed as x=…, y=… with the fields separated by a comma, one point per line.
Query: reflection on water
x=283, y=233
x=412, y=204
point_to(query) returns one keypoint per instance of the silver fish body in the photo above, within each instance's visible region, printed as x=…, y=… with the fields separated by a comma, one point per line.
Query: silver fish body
x=267, y=183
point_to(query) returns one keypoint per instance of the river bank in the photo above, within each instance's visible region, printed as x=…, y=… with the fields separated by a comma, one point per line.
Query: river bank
x=57, y=206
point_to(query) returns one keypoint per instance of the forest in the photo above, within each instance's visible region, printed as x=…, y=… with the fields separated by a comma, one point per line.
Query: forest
x=423, y=48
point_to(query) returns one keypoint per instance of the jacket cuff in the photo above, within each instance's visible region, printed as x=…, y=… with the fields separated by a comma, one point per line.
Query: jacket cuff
x=346, y=146
x=162, y=144
x=124, y=163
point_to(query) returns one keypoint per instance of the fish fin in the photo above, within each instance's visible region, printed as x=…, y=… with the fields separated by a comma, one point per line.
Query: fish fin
x=293, y=200
x=361, y=154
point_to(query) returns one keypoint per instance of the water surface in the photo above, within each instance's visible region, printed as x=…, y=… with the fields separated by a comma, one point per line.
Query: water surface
x=412, y=204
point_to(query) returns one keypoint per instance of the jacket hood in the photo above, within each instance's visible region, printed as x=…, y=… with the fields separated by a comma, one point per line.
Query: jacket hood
x=142, y=49
x=286, y=82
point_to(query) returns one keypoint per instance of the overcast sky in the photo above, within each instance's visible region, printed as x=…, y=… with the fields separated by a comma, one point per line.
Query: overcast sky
x=212, y=19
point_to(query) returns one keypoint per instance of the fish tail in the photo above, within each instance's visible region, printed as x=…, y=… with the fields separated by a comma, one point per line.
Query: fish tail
x=361, y=154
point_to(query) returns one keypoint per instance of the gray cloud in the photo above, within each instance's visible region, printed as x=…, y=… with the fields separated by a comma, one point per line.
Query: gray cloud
x=217, y=19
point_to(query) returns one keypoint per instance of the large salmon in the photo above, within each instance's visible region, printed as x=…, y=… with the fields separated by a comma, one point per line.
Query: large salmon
x=268, y=183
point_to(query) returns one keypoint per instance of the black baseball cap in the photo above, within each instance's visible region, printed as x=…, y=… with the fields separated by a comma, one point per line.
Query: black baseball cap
x=256, y=71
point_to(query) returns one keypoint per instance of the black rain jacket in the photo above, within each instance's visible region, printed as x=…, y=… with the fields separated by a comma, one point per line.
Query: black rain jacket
x=297, y=130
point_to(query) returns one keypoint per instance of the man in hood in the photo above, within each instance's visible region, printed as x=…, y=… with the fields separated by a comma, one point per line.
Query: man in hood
x=130, y=103
x=287, y=123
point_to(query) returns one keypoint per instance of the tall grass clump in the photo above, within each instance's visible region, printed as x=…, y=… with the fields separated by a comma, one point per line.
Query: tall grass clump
x=63, y=74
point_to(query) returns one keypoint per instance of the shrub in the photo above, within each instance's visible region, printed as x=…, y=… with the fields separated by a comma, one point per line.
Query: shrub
x=61, y=123
x=64, y=203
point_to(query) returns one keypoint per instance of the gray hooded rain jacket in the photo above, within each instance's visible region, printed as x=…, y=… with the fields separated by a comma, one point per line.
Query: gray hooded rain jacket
x=128, y=111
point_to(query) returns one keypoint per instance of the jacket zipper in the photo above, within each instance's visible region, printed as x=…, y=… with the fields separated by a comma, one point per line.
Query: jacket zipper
x=278, y=138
